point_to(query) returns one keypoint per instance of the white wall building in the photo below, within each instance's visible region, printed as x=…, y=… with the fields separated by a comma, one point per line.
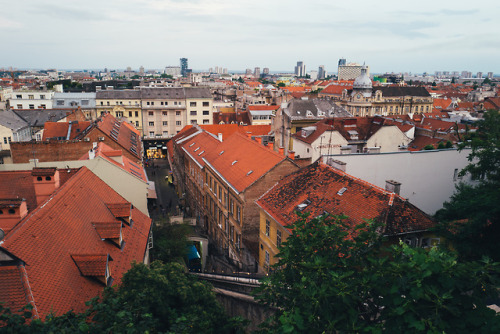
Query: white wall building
x=38, y=99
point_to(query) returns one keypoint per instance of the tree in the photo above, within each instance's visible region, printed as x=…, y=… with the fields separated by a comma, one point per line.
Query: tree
x=170, y=242
x=281, y=84
x=471, y=219
x=429, y=147
x=335, y=278
x=162, y=298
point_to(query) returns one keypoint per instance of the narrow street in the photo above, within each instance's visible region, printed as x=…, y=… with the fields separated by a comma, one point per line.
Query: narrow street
x=167, y=200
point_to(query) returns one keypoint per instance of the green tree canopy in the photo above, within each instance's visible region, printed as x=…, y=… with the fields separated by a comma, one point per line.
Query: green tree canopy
x=333, y=278
x=471, y=219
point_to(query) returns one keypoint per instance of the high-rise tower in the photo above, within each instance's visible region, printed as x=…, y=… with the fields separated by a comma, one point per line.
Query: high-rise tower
x=184, y=66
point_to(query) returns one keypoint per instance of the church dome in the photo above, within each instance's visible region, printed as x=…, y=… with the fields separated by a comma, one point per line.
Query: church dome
x=363, y=81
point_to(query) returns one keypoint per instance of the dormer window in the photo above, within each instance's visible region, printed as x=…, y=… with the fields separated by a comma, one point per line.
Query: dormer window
x=121, y=211
x=95, y=266
x=111, y=231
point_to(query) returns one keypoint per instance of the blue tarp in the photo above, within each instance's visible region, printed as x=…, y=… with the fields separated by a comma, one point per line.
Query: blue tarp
x=192, y=253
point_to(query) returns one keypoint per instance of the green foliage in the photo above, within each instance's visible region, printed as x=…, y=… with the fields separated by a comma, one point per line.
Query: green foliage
x=441, y=146
x=162, y=298
x=429, y=147
x=334, y=278
x=170, y=242
x=240, y=79
x=166, y=76
x=449, y=144
x=476, y=207
x=281, y=84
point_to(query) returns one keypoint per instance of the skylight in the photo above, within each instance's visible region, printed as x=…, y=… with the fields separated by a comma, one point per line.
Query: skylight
x=221, y=152
x=250, y=172
x=235, y=161
x=191, y=144
x=201, y=152
x=196, y=149
x=341, y=191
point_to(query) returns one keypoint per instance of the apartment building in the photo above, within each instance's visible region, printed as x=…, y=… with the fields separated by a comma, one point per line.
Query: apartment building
x=28, y=99
x=121, y=103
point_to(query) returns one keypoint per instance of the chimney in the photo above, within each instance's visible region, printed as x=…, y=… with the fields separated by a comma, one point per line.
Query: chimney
x=281, y=150
x=220, y=136
x=337, y=164
x=258, y=140
x=12, y=211
x=45, y=181
x=291, y=155
x=393, y=186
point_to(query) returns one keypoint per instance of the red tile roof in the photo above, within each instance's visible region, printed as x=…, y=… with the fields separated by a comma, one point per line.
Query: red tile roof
x=60, y=129
x=420, y=142
x=321, y=188
x=442, y=104
x=492, y=103
x=242, y=161
x=49, y=235
x=123, y=133
x=263, y=107
x=108, y=230
x=335, y=89
x=13, y=292
x=19, y=184
x=199, y=146
x=91, y=264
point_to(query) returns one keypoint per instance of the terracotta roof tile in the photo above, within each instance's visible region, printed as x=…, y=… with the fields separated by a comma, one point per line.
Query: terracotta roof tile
x=12, y=291
x=122, y=133
x=47, y=237
x=91, y=264
x=60, y=129
x=243, y=160
x=108, y=230
x=319, y=188
x=119, y=210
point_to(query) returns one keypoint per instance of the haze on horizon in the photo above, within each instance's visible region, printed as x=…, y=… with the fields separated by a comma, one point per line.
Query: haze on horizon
x=390, y=36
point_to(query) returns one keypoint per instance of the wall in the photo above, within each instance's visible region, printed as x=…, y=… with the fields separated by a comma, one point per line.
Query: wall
x=388, y=138
x=427, y=177
x=49, y=151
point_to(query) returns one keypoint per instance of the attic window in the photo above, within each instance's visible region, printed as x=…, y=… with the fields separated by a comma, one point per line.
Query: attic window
x=201, y=152
x=221, y=152
x=235, y=161
x=191, y=144
x=250, y=172
x=342, y=191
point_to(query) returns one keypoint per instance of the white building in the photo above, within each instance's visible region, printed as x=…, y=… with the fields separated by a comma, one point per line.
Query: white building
x=24, y=99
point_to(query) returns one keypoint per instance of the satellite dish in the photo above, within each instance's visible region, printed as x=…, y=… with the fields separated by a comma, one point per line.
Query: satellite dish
x=2, y=234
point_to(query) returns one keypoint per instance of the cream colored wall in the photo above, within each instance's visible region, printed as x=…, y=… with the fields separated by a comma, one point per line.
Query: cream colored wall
x=5, y=133
x=199, y=118
x=388, y=138
x=427, y=177
x=328, y=143
x=130, y=187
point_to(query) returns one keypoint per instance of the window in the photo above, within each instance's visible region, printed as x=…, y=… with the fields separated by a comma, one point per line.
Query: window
x=165, y=123
x=231, y=232
x=267, y=258
x=151, y=113
x=206, y=121
x=231, y=206
x=102, y=103
x=19, y=106
x=32, y=106
x=164, y=113
x=19, y=96
x=137, y=123
x=31, y=97
x=119, y=114
x=107, y=103
x=85, y=102
x=5, y=140
x=147, y=103
x=192, y=104
x=220, y=194
x=166, y=103
x=61, y=102
x=238, y=213
x=151, y=123
x=268, y=227
x=225, y=200
x=206, y=104
x=177, y=113
x=178, y=123
x=151, y=134
x=43, y=106
x=194, y=122
x=193, y=113
x=129, y=114
x=152, y=103
x=136, y=114
x=161, y=103
x=206, y=112
x=278, y=238
x=238, y=241
x=165, y=133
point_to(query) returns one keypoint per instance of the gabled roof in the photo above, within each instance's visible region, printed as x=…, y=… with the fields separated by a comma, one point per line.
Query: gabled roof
x=58, y=130
x=15, y=292
x=91, y=264
x=420, y=142
x=48, y=237
x=442, y=104
x=242, y=161
x=319, y=188
x=38, y=117
x=122, y=133
x=492, y=103
x=335, y=89
x=199, y=146
x=12, y=121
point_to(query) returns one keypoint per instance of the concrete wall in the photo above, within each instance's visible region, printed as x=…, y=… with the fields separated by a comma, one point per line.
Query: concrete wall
x=427, y=178
x=130, y=187
x=388, y=138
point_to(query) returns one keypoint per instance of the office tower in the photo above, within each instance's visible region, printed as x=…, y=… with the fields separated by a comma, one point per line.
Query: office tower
x=321, y=72
x=490, y=75
x=256, y=72
x=265, y=70
x=479, y=75
x=300, y=69
x=248, y=71
x=184, y=66
x=342, y=61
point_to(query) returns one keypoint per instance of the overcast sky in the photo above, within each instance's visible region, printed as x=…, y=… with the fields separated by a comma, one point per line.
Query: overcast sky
x=389, y=35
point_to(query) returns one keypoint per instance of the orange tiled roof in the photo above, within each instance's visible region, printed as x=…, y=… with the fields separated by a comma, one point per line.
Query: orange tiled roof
x=228, y=129
x=335, y=89
x=322, y=188
x=442, y=104
x=492, y=103
x=14, y=293
x=242, y=161
x=122, y=133
x=60, y=129
x=263, y=107
x=420, y=142
x=48, y=236
x=200, y=145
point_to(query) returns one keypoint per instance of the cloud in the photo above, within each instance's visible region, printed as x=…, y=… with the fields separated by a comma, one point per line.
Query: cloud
x=9, y=24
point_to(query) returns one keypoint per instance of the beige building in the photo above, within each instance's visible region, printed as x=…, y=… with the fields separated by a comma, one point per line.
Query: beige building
x=365, y=100
x=351, y=71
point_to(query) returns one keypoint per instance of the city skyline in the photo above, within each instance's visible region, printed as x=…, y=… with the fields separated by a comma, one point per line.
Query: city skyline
x=444, y=36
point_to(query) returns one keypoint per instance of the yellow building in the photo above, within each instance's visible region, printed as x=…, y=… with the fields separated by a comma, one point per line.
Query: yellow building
x=121, y=103
x=321, y=190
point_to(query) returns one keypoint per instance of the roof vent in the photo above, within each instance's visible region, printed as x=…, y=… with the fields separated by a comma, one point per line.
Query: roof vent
x=196, y=149
x=201, y=153
x=342, y=191
x=235, y=161
x=221, y=152
x=250, y=172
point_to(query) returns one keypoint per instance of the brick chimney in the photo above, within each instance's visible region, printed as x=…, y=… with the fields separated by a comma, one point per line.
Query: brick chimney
x=393, y=186
x=12, y=211
x=258, y=140
x=45, y=181
x=291, y=155
x=281, y=150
